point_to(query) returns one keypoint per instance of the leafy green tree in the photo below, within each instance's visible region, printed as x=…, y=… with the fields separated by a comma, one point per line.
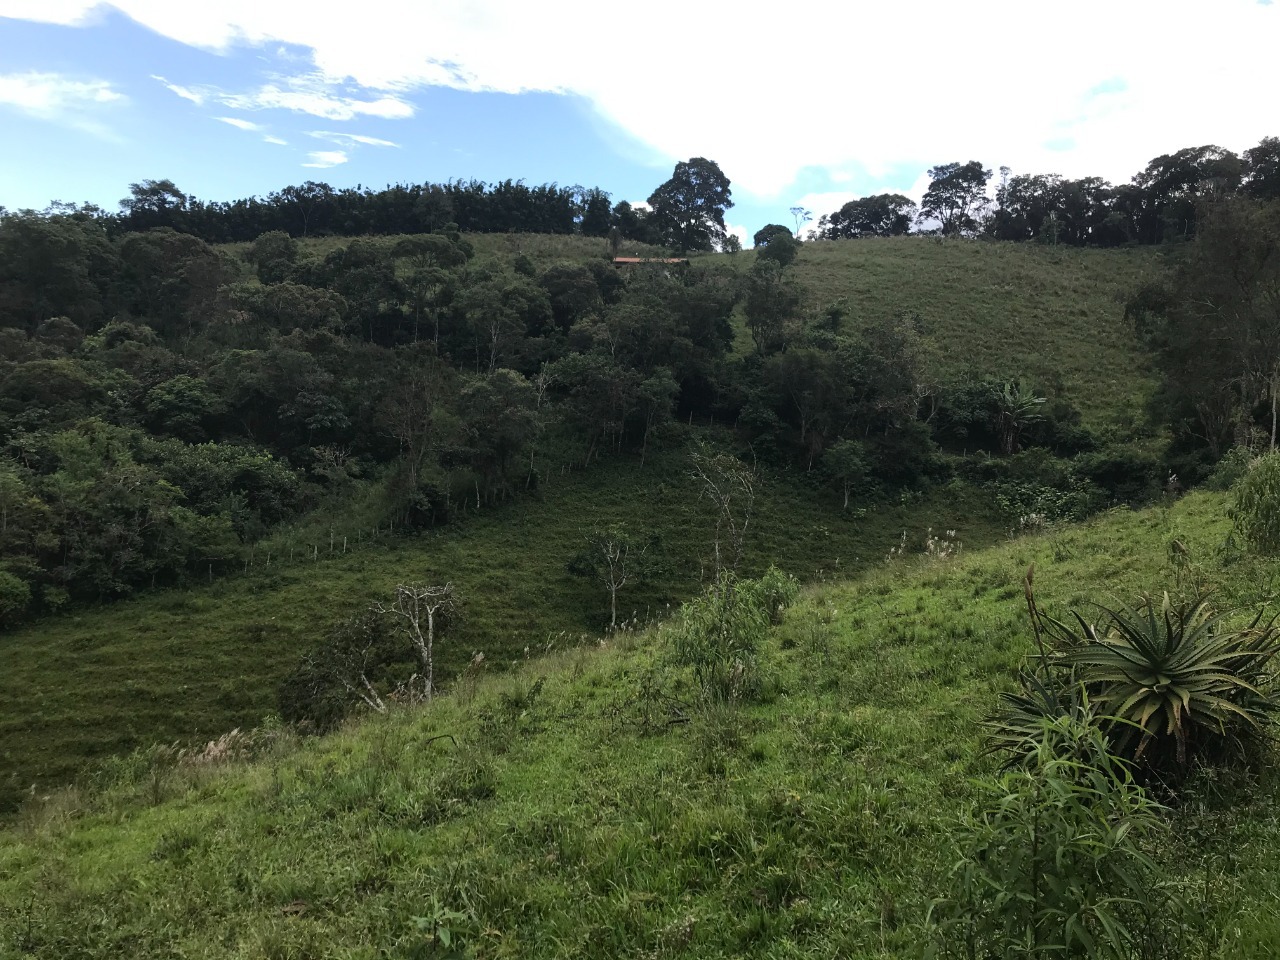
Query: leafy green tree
x=656, y=397
x=273, y=255
x=15, y=597
x=782, y=250
x=771, y=305
x=1262, y=170
x=956, y=196
x=765, y=234
x=184, y=407
x=597, y=215
x=430, y=261
x=1216, y=325
x=54, y=266
x=689, y=208
x=601, y=395
x=155, y=203
x=846, y=461
x=502, y=311
x=500, y=413
x=883, y=215
x=1255, y=508
x=1173, y=186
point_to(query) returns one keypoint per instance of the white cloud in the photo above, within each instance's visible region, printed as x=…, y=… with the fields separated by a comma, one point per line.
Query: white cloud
x=321, y=159
x=51, y=95
x=350, y=139
x=240, y=124
x=314, y=96
x=276, y=140
x=186, y=93
x=1069, y=86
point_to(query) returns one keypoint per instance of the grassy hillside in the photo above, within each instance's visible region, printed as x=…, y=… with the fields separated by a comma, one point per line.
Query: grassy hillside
x=1054, y=315
x=194, y=663
x=558, y=810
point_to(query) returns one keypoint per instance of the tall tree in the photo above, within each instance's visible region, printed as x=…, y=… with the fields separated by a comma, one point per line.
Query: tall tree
x=956, y=196
x=689, y=208
x=883, y=215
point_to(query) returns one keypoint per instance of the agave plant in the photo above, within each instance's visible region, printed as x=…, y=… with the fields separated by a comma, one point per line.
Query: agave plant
x=1166, y=671
x=1018, y=723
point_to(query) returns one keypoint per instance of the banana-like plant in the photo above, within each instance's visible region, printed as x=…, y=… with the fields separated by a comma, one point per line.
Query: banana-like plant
x=1164, y=671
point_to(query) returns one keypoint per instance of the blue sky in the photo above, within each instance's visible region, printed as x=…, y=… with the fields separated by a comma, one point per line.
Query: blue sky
x=814, y=108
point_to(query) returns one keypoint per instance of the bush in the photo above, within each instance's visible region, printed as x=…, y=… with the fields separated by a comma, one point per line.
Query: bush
x=1231, y=469
x=1129, y=475
x=773, y=593
x=1256, y=506
x=1176, y=680
x=720, y=633
x=15, y=596
x=1170, y=682
x=1054, y=863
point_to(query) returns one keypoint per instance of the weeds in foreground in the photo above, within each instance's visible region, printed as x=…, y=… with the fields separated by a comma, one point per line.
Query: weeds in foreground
x=1057, y=859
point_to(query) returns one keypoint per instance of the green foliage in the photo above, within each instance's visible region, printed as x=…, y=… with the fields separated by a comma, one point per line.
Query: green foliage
x=883, y=215
x=720, y=634
x=1231, y=468
x=15, y=596
x=781, y=249
x=1175, y=680
x=1057, y=859
x=768, y=233
x=956, y=196
x=688, y=209
x=1256, y=504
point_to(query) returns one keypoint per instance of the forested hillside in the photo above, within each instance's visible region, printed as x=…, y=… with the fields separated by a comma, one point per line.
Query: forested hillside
x=271, y=473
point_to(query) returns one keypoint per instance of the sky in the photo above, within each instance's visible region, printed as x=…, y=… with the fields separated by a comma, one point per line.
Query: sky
x=810, y=104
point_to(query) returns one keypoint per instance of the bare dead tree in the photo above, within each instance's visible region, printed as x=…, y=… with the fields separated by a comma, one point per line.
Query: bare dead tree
x=355, y=647
x=420, y=607
x=351, y=670
x=730, y=485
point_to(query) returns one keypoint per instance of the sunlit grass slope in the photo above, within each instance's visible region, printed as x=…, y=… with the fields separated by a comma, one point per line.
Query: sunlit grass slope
x=568, y=808
x=189, y=663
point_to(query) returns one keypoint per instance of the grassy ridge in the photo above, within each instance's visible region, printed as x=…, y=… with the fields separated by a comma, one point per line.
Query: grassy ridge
x=194, y=663
x=563, y=815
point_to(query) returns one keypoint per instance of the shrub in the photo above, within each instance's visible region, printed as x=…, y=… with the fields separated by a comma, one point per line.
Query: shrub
x=1175, y=678
x=1231, y=469
x=774, y=592
x=1256, y=506
x=1054, y=861
x=15, y=597
x=720, y=635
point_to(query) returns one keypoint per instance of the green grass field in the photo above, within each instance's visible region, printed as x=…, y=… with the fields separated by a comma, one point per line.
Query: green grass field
x=192, y=663
x=555, y=811
x=1054, y=315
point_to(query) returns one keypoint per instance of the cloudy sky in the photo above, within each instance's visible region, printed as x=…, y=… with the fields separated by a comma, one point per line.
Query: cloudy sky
x=801, y=104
